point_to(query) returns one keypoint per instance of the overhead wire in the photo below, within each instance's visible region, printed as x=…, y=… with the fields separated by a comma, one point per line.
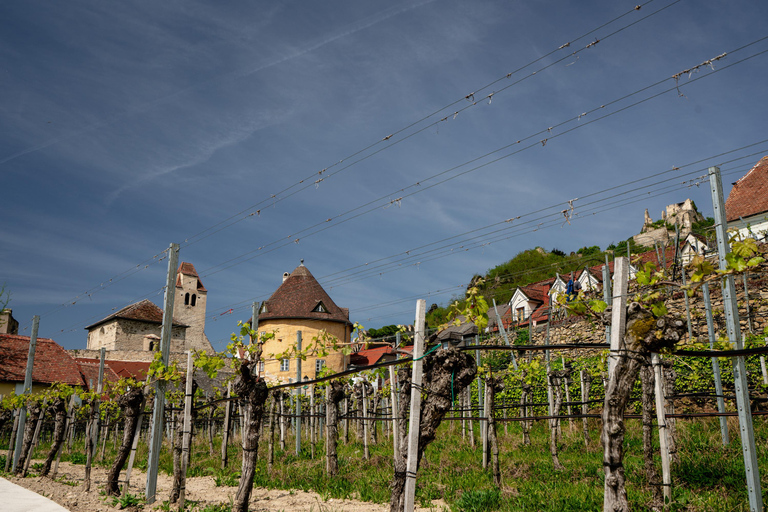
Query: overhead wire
x=274, y=198
x=386, y=200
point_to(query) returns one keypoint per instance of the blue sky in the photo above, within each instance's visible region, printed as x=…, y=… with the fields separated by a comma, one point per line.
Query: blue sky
x=125, y=126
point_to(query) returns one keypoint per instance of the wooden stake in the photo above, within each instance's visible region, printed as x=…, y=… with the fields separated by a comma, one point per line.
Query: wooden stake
x=414, y=426
x=186, y=431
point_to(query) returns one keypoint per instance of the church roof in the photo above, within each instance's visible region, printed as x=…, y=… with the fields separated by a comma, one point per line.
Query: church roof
x=301, y=296
x=188, y=269
x=144, y=311
x=749, y=195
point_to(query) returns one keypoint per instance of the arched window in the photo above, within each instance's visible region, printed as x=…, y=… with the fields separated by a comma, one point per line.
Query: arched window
x=194, y=299
x=186, y=299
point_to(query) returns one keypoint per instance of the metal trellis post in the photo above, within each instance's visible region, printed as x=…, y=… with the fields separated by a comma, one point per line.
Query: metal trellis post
x=165, y=349
x=734, y=335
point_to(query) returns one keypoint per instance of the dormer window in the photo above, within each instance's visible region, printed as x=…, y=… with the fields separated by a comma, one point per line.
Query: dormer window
x=263, y=308
x=320, y=308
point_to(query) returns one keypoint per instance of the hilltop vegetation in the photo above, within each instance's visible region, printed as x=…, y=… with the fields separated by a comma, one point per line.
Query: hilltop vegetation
x=530, y=266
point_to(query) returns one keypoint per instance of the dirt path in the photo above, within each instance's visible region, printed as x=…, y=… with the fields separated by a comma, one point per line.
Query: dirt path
x=67, y=491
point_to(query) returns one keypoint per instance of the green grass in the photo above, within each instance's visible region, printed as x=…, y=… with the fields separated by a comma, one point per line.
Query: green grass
x=707, y=477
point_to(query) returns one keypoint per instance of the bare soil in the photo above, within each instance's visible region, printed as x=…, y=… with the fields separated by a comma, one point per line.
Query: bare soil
x=67, y=491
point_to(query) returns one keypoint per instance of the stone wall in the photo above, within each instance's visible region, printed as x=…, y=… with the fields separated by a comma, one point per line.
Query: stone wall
x=128, y=355
x=578, y=330
x=125, y=334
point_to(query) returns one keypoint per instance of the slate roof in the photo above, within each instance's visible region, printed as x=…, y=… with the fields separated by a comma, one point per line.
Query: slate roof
x=749, y=195
x=299, y=296
x=52, y=362
x=144, y=311
x=188, y=269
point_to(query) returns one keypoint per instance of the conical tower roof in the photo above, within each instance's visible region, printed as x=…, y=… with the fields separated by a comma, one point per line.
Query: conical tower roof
x=301, y=297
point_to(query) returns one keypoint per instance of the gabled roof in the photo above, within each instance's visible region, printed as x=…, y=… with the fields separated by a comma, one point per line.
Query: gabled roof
x=298, y=297
x=52, y=362
x=749, y=195
x=144, y=311
x=188, y=269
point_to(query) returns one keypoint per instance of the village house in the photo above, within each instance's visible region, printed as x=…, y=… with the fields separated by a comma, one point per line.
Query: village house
x=746, y=208
x=301, y=304
x=52, y=364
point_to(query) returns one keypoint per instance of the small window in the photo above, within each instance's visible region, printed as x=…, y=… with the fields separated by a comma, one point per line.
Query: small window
x=319, y=365
x=285, y=365
x=261, y=367
x=320, y=308
x=194, y=300
x=520, y=313
x=186, y=299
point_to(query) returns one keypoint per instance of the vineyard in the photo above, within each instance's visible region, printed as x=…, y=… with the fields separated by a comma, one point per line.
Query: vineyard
x=474, y=423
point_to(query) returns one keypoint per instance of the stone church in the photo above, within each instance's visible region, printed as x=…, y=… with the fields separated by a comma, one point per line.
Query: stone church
x=133, y=333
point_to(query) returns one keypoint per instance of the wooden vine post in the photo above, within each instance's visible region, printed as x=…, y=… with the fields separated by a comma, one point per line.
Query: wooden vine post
x=415, y=416
x=661, y=420
x=226, y=427
x=187, y=430
x=395, y=411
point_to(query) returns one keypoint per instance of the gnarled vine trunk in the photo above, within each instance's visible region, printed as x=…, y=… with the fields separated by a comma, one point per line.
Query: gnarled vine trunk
x=334, y=394
x=556, y=378
x=59, y=409
x=131, y=403
x=493, y=385
x=444, y=371
x=252, y=392
x=644, y=334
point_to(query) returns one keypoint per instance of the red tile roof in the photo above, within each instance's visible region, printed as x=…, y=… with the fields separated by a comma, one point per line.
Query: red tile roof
x=299, y=296
x=135, y=369
x=749, y=195
x=89, y=369
x=52, y=362
x=372, y=356
x=188, y=269
x=144, y=311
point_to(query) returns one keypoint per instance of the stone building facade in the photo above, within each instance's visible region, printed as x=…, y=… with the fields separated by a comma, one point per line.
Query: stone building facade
x=135, y=330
